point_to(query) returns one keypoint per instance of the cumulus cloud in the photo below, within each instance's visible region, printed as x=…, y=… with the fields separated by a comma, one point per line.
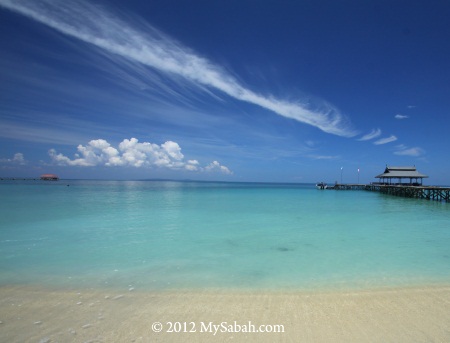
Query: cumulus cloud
x=401, y=116
x=405, y=151
x=371, y=135
x=215, y=166
x=141, y=43
x=132, y=153
x=193, y=165
x=386, y=140
x=17, y=159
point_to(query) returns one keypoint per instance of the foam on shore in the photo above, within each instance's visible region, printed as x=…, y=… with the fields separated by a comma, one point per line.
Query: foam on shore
x=31, y=314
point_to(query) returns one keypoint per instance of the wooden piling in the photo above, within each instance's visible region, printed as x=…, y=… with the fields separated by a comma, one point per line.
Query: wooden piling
x=419, y=192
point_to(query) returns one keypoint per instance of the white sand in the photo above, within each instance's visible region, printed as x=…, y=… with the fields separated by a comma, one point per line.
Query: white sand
x=395, y=315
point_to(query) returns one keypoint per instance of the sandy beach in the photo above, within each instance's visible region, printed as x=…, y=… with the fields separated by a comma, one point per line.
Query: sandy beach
x=387, y=315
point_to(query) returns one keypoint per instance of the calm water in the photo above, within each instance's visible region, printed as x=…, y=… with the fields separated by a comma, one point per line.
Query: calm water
x=159, y=235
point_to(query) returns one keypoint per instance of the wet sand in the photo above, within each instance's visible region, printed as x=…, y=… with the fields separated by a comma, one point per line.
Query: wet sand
x=386, y=315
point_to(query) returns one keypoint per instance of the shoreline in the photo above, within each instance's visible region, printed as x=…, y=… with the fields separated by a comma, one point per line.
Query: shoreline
x=403, y=314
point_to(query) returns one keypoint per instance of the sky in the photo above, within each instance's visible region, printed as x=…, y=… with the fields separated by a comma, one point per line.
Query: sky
x=227, y=90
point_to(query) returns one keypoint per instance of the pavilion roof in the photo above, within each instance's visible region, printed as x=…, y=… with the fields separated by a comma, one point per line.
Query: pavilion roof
x=401, y=172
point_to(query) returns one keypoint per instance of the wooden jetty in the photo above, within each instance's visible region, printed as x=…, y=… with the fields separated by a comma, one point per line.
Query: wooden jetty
x=348, y=186
x=420, y=192
x=413, y=189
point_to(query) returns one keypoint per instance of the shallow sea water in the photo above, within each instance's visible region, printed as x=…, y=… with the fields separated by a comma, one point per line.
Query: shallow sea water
x=159, y=235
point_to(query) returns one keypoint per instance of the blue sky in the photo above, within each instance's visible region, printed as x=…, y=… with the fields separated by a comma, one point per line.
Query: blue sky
x=285, y=91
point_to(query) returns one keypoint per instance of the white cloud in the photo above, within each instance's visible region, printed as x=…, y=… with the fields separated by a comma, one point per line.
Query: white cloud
x=310, y=143
x=173, y=150
x=216, y=166
x=132, y=153
x=323, y=157
x=193, y=165
x=17, y=159
x=401, y=116
x=143, y=44
x=371, y=135
x=404, y=151
x=386, y=140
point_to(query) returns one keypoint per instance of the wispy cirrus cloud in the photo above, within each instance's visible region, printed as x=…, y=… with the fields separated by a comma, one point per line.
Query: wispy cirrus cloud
x=386, y=140
x=140, y=43
x=401, y=116
x=45, y=133
x=323, y=157
x=132, y=153
x=371, y=135
x=405, y=151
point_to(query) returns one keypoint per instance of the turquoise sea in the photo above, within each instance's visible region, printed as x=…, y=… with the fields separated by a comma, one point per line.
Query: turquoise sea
x=159, y=235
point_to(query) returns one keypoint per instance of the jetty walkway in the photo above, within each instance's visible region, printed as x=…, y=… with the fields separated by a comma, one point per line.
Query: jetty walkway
x=409, y=191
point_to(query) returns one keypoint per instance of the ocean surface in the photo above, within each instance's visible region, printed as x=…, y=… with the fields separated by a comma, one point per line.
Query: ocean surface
x=164, y=235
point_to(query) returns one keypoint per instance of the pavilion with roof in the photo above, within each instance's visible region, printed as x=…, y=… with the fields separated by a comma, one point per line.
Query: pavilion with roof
x=49, y=177
x=398, y=173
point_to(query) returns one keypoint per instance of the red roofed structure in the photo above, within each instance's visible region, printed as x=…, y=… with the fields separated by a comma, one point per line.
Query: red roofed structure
x=49, y=177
